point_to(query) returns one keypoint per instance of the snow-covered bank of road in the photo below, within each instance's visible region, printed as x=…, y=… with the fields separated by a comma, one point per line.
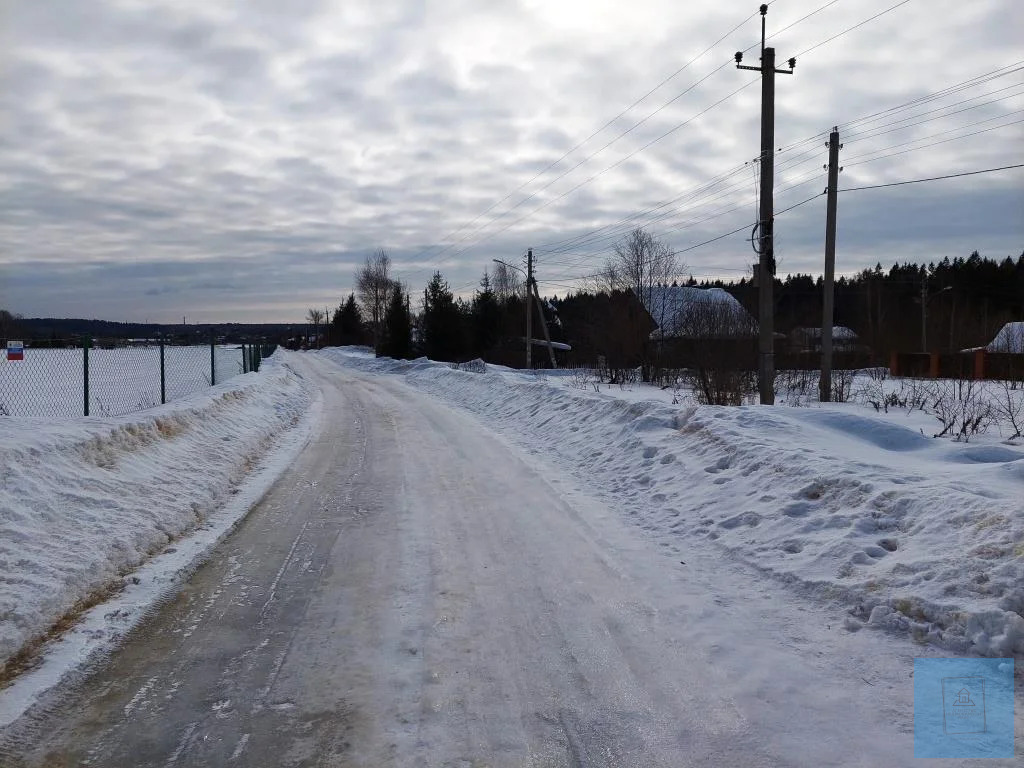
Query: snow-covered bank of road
x=909, y=533
x=415, y=592
x=86, y=501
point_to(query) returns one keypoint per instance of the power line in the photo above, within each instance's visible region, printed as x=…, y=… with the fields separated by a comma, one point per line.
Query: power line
x=850, y=29
x=610, y=167
x=533, y=194
x=981, y=79
x=934, y=178
x=934, y=143
x=607, y=124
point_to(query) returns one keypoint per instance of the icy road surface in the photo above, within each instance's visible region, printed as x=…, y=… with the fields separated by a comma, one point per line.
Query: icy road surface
x=414, y=592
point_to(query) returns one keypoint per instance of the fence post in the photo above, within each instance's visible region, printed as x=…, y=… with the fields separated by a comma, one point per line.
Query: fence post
x=213, y=360
x=979, y=364
x=245, y=363
x=85, y=372
x=163, y=374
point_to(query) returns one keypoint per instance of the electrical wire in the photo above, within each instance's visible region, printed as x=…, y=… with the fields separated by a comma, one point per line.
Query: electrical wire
x=533, y=194
x=933, y=178
x=850, y=29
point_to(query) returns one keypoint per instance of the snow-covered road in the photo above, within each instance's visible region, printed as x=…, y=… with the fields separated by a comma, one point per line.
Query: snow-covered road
x=416, y=591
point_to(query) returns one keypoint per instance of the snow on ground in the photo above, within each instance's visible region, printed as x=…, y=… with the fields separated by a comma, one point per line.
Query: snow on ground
x=908, y=533
x=86, y=501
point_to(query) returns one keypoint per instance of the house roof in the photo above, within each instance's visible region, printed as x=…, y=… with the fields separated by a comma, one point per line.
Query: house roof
x=1009, y=339
x=683, y=310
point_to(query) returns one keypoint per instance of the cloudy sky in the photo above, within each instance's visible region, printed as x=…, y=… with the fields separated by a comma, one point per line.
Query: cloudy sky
x=235, y=160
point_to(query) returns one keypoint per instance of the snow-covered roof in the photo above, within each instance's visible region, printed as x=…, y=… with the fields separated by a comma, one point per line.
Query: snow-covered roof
x=687, y=311
x=1009, y=339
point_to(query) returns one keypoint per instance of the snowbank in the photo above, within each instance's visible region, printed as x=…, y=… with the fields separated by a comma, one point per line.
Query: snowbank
x=87, y=500
x=908, y=533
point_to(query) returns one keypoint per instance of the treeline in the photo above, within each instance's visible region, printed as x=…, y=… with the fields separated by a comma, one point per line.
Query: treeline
x=443, y=326
x=62, y=329
x=967, y=300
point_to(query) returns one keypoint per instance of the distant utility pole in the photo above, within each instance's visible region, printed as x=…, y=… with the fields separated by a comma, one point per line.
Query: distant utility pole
x=529, y=313
x=544, y=326
x=766, y=263
x=531, y=295
x=825, y=384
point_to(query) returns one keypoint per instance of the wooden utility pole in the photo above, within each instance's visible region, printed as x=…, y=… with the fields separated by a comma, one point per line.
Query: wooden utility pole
x=529, y=313
x=825, y=385
x=766, y=263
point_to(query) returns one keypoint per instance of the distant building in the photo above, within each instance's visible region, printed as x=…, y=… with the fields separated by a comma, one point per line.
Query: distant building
x=809, y=339
x=687, y=312
x=1009, y=339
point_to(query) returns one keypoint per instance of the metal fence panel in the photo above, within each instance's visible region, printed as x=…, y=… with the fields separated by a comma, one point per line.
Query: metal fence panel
x=61, y=379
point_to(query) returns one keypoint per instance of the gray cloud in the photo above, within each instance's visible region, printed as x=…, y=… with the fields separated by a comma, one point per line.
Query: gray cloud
x=238, y=161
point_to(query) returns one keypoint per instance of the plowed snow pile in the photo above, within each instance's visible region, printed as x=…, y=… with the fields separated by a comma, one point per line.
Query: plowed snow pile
x=86, y=500
x=909, y=533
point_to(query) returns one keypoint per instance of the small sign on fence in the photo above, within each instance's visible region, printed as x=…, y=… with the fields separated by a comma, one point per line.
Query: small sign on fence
x=15, y=350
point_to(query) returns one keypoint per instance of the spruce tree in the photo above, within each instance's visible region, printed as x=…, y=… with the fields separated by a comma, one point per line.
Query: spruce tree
x=396, y=340
x=486, y=314
x=347, y=323
x=442, y=321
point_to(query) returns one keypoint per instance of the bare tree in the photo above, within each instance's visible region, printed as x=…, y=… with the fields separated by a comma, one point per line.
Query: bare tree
x=374, y=285
x=314, y=317
x=641, y=263
x=606, y=280
x=645, y=265
x=505, y=283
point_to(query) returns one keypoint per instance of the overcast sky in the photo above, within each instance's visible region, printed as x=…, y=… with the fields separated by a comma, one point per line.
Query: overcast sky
x=236, y=161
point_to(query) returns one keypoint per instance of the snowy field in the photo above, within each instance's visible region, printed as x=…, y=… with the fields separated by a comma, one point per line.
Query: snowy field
x=88, y=500
x=49, y=382
x=858, y=507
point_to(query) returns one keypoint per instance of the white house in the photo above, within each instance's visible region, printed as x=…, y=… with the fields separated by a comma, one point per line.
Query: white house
x=1009, y=339
x=682, y=311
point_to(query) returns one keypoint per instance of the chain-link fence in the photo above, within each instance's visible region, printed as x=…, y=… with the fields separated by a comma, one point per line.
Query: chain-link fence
x=76, y=377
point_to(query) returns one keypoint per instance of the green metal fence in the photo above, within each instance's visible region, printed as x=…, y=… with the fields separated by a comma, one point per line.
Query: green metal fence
x=90, y=377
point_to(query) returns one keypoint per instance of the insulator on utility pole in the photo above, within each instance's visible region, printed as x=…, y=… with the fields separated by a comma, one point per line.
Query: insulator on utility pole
x=766, y=270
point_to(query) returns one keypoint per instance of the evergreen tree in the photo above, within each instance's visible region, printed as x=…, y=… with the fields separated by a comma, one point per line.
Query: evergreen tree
x=347, y=323
x=442, y=321
x=396, y=341
x=487, y=320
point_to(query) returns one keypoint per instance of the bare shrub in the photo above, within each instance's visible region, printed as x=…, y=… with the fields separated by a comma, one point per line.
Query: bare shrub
x=716, y=339
x=796, y=385
x=470, y=366
x=842, y=384
x=962, y=409
x=585, y=378
x=1008, y=407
